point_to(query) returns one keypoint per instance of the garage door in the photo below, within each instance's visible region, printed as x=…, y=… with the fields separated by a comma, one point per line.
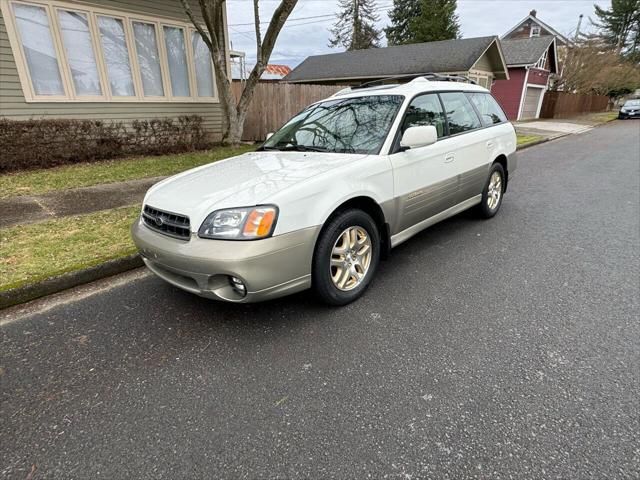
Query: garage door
x=531, y=101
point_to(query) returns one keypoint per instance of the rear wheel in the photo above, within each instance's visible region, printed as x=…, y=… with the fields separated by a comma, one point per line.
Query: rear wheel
x=346, y=257
x=493, y=192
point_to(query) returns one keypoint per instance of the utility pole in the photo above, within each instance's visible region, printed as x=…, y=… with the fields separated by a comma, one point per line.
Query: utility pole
x=575, y=39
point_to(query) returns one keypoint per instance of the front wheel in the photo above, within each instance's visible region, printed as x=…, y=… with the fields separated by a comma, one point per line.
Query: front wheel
x=493, y=192
x=346, y=257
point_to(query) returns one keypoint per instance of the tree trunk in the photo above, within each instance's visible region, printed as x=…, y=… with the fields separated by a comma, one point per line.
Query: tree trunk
x=235, y=110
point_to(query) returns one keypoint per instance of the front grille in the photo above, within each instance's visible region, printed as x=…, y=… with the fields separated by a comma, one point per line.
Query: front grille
x=167, y=223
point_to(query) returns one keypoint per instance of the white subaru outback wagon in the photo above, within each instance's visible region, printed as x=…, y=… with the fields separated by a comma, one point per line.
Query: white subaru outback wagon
x=330, y=193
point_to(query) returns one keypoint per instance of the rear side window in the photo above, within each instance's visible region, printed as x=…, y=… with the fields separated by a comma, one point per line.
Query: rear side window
x=423, y=111
x=460, y=113
x=490, y=111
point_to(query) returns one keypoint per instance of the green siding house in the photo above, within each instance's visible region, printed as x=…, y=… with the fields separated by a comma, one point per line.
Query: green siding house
x=110, y=59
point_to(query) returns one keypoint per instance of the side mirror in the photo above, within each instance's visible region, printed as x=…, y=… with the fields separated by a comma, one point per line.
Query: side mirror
x=269, y=135
x=416, y=137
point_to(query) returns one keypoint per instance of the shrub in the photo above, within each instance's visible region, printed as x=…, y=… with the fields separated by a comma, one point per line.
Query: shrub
x=28, y=144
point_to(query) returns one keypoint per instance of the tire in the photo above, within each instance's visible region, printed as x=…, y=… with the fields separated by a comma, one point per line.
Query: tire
x=489, y=206
x=331, y=267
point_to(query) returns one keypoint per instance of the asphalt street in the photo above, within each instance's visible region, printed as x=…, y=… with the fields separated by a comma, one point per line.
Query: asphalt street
x=507, y=348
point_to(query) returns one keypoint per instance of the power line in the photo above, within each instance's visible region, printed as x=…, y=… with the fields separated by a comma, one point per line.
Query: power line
x=330, y=15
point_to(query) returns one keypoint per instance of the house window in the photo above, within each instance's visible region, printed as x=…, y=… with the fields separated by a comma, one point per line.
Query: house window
x=148, y=59
x=79, y=54
x=177, y=58
x=535, y=31
x=115, y=50
x=78, y=46
x=204, y=71
x=39, y=51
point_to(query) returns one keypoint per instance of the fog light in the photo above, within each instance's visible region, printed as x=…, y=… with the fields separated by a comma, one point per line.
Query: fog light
x=238, y=286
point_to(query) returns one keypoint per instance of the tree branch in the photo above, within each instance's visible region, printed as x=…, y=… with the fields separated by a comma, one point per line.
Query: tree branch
x=256, y=16
x=275, y=26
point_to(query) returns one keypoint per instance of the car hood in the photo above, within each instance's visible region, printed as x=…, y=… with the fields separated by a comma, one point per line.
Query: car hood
x=245, y=180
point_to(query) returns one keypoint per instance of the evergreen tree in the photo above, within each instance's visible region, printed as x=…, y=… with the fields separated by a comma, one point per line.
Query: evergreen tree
x=415, y=21
x=355, y=28
x=403, y=12
x=620, y=25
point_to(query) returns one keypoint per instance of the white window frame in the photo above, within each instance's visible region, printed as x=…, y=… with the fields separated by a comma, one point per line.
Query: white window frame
x=542, y=62
x=52, y=7
x=535, y=31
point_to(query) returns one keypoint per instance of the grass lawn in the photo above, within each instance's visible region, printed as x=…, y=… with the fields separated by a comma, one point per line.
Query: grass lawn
x=602, y=117
x=32, y=253
x=526, y=139
x=87, y=174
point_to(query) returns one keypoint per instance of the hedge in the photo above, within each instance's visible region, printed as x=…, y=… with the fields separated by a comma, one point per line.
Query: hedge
x=29, y=144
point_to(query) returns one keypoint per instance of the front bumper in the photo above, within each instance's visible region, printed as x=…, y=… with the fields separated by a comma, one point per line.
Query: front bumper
x=635, y=114
x=270, y=268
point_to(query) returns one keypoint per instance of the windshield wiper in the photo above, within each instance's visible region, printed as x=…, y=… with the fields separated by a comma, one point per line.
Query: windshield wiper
x=305, y=148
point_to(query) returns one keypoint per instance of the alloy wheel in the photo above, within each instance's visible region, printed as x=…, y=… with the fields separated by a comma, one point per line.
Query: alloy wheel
x=350, y=258
x=494, y=192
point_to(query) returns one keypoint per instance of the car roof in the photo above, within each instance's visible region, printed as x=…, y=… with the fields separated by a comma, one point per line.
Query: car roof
x=409, y=89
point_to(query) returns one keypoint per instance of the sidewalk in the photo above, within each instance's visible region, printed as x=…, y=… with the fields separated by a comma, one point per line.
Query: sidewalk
x=549, y=129
x=31, y=209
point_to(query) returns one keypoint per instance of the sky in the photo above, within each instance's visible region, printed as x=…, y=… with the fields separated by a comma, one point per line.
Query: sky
x=310, y=36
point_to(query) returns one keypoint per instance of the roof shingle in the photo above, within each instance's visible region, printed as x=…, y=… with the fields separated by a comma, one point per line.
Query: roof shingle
x=438, y=57
x=525, y=51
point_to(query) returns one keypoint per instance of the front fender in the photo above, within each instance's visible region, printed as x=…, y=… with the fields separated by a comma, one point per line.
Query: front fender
x=312, y=202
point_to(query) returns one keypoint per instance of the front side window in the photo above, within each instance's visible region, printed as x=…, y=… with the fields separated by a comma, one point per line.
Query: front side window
x=116, y=56
x=39, y=50
x=461, y=116
x=177, y=58
x=490, y=111
x=204, y=68
x=76, y=37
x=148, y=59
x=425, y=110
x=348, y=125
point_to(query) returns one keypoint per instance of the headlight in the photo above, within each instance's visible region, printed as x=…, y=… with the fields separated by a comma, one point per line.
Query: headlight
x=248, y=223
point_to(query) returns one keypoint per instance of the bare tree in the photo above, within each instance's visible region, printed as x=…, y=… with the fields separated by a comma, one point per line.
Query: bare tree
x=214, y=36
x=594, y=67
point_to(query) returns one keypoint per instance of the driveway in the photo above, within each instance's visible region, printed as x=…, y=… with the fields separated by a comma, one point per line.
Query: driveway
x=551, y=128
x=485, y=349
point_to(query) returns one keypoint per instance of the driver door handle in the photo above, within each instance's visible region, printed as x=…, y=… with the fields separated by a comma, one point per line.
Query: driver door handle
x=449, y=157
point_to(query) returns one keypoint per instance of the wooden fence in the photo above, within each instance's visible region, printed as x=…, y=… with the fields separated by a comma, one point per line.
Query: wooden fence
x=275, y=103
x=562, y=104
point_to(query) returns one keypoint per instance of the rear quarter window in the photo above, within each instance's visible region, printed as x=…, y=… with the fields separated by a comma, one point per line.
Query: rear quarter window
x=490, y=112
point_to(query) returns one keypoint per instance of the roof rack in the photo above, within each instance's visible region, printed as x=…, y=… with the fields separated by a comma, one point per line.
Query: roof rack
x=434, y=77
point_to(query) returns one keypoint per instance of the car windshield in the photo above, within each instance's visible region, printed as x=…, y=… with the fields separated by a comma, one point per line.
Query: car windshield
x=632, y=103
x=347, y=125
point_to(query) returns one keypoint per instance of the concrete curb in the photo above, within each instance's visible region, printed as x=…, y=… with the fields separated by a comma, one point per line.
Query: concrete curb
x=27, y=293
x=535, y=142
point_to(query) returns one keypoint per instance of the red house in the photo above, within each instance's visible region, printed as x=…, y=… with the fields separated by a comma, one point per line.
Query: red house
x=530, y=62
x=531, y=54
